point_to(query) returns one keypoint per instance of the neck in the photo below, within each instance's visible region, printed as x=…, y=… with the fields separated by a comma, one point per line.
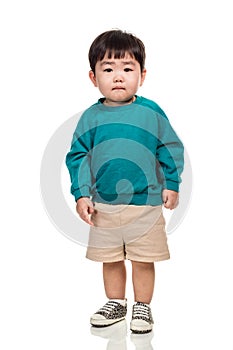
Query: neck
x=111, y=103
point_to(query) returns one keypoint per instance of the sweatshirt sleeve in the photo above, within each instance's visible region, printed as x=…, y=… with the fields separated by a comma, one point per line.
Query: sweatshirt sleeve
x=170, y=154
x=78, y=162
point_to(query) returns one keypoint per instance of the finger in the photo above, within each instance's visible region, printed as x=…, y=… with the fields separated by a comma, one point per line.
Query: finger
x=91, y=210
x=87, y=220
x=85, y=217
x=165, y=197
x=168, y=204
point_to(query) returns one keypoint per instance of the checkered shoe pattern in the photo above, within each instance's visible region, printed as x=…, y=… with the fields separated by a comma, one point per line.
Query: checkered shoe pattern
x=110, y=313
x=142, y=320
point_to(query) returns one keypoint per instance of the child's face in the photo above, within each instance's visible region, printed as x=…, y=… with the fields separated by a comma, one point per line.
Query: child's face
x=118, y=79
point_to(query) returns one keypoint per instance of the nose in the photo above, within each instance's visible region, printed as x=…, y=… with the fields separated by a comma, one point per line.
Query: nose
x=118, y=77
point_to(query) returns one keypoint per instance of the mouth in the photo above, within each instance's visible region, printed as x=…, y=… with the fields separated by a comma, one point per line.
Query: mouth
x=118, y=88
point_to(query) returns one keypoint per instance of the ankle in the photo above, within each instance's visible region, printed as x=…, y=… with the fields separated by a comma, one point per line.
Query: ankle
x=142, y=302
x=123, y=302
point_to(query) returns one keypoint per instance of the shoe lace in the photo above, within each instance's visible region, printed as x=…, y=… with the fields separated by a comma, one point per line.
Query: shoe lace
x=141, y=310
x=108, y=307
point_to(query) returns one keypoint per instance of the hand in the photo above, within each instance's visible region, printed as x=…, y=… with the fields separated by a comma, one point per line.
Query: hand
x=85, y=208
x=170, y=199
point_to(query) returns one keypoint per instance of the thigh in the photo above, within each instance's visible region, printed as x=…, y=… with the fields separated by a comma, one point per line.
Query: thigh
x=150, y=241
x=105, y=237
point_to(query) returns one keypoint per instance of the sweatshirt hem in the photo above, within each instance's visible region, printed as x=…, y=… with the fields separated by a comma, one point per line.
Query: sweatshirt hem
x=128, y=199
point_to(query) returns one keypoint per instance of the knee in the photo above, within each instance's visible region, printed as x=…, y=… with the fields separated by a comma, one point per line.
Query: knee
x=142, y=265
x=113, y=264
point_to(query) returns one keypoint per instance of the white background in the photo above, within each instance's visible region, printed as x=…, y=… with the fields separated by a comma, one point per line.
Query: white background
x=48, y=289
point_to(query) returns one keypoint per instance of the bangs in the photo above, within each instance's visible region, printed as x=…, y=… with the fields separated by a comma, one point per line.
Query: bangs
x=113, y=53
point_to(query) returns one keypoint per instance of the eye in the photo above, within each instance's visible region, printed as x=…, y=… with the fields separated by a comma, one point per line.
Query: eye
x=128, y=70
x=108, y=70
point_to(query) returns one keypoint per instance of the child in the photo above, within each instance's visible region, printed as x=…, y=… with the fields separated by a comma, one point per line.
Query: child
x=125, y=162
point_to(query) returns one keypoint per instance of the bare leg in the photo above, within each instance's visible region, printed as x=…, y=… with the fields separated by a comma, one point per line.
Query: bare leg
x=143, y=281
x=114, y=279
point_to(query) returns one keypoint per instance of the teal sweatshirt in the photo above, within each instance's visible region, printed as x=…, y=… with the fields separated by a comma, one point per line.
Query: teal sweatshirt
x=125, y=154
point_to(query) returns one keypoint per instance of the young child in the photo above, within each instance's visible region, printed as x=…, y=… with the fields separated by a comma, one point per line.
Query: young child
x=125, y=162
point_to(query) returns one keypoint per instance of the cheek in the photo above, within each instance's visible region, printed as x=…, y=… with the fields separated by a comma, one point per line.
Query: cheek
x=102, y=85
x=140, y=81
x=137, y=83
x=102, y=81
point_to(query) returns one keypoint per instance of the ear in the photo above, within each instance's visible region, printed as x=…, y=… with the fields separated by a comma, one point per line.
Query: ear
x=143, y=76
x=92, y=77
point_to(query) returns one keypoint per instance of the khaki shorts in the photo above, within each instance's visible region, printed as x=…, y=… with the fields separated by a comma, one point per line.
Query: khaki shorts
x=127, y=232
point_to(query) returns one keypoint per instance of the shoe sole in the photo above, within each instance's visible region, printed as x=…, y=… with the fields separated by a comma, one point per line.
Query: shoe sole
x=106, y=322
x=141, y=332
x=140, y=329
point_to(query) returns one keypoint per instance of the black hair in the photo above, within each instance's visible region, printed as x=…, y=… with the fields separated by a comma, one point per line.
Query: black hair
x=116, y=43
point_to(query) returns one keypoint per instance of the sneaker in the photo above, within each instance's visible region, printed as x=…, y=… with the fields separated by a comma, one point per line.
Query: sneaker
x=142, y=321
x=110, y=313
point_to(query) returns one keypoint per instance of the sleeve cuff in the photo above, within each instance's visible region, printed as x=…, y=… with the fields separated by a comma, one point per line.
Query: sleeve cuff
x=172, y=186
x=82, y=192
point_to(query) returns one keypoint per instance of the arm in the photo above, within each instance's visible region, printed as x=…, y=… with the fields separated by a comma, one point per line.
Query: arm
x=170, y=155
x=78, y=164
